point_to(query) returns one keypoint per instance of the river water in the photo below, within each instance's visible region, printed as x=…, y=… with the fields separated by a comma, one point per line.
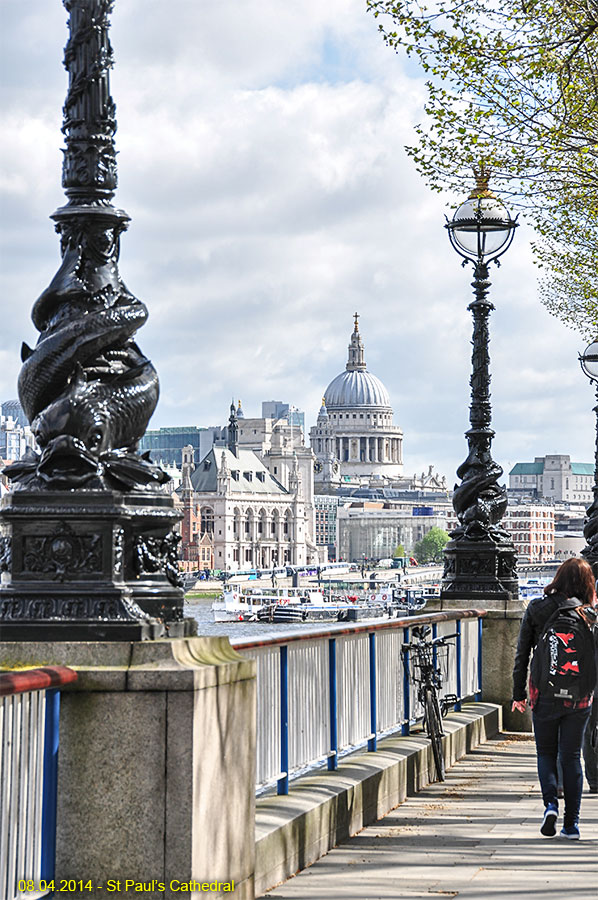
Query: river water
x=201, y=611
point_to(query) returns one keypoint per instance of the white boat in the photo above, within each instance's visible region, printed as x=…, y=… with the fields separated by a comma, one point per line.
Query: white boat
x=303, y=604
x=237, y=604
x=532, y=587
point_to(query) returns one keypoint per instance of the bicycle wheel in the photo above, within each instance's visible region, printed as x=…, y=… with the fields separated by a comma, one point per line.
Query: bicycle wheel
x=434, y=729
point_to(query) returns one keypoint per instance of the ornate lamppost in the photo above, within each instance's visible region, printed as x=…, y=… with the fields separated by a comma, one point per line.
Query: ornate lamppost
x=589, y=364
x=87, y=543
x=479, y=560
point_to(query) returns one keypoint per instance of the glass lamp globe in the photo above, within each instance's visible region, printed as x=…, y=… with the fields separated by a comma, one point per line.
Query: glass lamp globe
x=589, y=360
x=482, y=227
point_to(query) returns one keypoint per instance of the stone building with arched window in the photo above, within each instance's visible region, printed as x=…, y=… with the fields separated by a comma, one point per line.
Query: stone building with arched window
x=242, y=514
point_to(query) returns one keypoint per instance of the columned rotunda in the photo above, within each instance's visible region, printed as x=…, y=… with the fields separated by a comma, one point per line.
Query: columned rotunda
x=354, y=436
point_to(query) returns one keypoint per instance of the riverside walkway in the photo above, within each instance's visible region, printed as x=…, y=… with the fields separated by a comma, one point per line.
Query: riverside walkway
x=474, y=837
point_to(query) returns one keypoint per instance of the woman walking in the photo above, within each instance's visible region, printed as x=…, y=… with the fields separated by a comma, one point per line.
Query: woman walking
x=554, y=624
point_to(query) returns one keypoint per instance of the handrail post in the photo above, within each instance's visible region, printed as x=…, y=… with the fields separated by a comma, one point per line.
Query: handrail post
x=283, y=781
x=406, y=679
x=459, y=662
x=478, y=694
x=372, y=742
x=333, y=757
x=50, y=782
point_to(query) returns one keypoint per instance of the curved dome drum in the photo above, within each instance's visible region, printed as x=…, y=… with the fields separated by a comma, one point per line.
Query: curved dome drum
x=357, y=388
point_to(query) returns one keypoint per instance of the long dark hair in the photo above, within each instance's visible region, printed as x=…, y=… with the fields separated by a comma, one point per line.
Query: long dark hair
x=574, y=578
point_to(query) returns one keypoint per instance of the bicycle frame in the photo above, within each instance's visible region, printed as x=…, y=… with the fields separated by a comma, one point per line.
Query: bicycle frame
x=427, y=674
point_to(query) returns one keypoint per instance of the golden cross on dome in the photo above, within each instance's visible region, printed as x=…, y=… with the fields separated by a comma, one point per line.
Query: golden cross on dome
x=356, y=322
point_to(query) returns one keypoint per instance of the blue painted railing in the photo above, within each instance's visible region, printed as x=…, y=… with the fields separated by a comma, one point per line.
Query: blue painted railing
x=336, y=689
x=29, y=718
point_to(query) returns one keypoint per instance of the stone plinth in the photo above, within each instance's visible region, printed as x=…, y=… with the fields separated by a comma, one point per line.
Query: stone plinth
x=99, y=565
x=156, y=773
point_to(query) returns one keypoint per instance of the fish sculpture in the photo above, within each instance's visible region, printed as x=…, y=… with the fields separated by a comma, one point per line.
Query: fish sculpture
x=86, y=387
x=479, y=501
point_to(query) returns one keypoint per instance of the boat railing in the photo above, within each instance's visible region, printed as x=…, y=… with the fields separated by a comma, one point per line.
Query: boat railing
x=324, y=692
x=29, y=710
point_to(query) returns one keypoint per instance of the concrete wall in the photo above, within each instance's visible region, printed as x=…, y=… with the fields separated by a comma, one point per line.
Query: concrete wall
x=500, y=631
x=499, y=642
x=156, y=779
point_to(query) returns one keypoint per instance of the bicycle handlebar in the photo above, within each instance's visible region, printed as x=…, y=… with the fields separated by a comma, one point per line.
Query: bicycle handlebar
x=435, y=642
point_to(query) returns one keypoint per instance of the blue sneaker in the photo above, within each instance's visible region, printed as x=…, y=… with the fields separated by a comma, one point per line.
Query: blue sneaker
x=548, y=826
x=571, y=832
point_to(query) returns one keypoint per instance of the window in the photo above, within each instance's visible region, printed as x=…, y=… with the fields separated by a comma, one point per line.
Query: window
x=248, y=476
x=207, y=520
x=235, y=473
x=261, y=476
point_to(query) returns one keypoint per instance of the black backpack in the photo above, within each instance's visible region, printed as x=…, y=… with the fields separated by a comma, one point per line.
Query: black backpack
x=564, y=665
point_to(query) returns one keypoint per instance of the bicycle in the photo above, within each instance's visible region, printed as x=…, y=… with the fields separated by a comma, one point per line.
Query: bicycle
x=427, y=674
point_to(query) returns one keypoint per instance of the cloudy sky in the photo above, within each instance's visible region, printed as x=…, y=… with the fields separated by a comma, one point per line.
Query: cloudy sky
x=261, y=160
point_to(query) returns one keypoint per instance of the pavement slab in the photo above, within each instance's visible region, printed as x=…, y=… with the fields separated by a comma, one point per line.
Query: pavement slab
x=475, y=837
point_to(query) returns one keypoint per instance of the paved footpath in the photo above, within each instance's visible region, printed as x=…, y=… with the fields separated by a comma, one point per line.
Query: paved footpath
x=475, y=837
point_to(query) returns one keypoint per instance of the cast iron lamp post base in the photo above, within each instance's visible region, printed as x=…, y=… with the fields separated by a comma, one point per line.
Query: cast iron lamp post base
x=481, y=573
x=90, y=565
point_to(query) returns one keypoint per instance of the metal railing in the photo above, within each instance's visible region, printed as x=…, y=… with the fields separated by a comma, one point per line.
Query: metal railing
x=29, y=711
x=324, y=693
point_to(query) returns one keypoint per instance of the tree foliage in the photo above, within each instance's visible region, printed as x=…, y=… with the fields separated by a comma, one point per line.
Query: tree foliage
x=514, y=86
x=399, y=552
x=430, y=548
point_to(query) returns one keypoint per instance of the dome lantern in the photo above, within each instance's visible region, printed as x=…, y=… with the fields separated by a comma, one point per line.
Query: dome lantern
x=356, y=387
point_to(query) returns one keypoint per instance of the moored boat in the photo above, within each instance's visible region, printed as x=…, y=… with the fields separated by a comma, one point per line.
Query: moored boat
x=310, y=605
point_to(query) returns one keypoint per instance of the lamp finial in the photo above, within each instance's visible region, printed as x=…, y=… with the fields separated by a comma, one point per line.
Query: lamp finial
x=481, y=190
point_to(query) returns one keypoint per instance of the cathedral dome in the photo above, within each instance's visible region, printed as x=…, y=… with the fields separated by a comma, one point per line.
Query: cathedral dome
x=351, y=389
x=356, y=386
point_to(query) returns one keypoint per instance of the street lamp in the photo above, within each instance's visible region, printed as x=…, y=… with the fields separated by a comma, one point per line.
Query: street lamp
x=589, y=364
x=480, y=558
x=88, y=540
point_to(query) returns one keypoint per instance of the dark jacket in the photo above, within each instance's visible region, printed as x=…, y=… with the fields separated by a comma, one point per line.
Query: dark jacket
x=537, y=614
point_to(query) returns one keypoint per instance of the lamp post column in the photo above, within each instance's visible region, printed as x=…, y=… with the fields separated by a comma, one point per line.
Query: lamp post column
x=480, y=557
x=589, y=364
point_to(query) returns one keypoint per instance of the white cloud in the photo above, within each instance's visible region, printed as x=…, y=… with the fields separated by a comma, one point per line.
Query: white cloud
x=261, y=158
